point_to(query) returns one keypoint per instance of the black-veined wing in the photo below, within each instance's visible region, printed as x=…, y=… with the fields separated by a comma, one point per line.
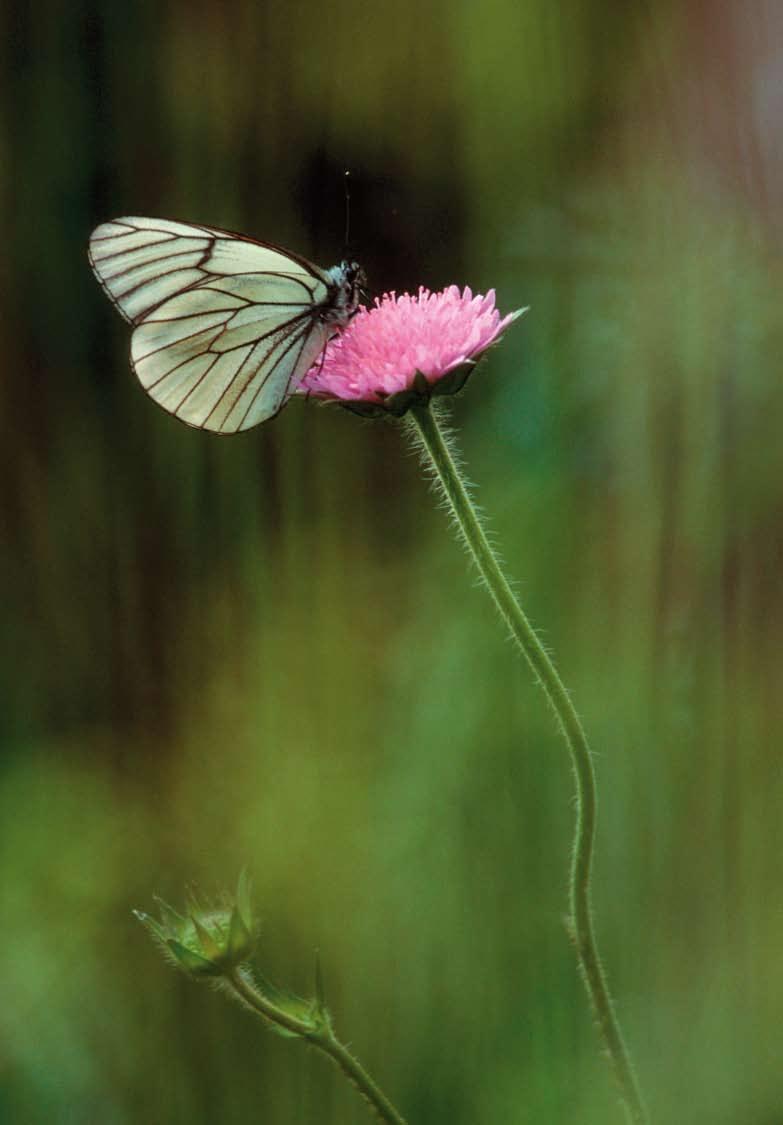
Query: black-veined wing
x=224, y=327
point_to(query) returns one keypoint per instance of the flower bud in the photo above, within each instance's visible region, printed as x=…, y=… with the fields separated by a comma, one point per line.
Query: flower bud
x=208, y=941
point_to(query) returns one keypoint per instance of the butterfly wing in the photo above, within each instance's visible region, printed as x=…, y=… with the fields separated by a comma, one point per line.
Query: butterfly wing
x=224, y=327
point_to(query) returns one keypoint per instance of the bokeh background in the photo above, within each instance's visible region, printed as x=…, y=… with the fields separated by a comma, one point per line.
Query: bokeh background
x=267, y=650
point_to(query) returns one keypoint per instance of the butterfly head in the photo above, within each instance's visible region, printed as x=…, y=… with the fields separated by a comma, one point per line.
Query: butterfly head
x=349, y=282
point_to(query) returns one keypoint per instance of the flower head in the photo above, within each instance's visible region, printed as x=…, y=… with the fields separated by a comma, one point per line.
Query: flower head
x=407, y=347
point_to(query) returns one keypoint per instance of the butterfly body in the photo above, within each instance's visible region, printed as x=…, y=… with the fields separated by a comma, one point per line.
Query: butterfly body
x=224, y=327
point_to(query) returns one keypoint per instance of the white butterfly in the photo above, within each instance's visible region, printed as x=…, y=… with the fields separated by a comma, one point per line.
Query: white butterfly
x=224, y=326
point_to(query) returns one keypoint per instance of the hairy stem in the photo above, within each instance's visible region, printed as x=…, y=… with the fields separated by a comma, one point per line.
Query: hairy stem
x=322, y=1037
x=434, y=447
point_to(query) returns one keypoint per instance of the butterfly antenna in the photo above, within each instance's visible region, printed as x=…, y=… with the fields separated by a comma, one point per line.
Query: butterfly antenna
x=347, y=185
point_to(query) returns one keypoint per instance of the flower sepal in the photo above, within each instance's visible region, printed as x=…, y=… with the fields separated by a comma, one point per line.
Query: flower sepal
x=453, y=381
x=420, y=392
x=310, y=1014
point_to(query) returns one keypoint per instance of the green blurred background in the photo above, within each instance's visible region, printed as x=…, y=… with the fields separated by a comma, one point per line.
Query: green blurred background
x=267, y=650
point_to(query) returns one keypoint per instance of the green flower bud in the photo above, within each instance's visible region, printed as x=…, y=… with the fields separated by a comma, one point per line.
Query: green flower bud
x=208, y=941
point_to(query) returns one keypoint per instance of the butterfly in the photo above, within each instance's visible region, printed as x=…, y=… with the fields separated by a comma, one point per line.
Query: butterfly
x=224, y=327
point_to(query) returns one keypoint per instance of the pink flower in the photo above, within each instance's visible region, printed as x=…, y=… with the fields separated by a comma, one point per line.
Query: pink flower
x=406, y=347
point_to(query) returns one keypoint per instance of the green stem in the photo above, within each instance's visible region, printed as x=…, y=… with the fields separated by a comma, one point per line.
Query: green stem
x=581, y=921
x=321, y=1037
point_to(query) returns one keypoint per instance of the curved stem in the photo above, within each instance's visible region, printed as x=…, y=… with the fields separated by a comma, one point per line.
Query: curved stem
x=322, y=1037
x=581, y=921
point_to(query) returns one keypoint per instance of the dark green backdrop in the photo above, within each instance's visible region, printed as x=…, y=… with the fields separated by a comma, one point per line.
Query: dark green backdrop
x=267, y=651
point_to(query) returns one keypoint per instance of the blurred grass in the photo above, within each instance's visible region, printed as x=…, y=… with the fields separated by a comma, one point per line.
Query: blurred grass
x=268, y=651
